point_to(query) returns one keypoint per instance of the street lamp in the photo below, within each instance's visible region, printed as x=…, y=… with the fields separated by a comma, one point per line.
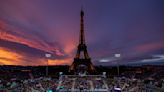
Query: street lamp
x=117, y=56
x=47, y=56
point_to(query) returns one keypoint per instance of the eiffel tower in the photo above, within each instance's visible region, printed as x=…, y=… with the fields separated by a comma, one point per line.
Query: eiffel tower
x=82, y=57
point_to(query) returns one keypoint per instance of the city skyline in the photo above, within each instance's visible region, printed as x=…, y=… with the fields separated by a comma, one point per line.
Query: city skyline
x=30, y=29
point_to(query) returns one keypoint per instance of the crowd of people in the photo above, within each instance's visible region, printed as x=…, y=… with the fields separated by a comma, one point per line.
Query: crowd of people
x=75, y=83
x=88, y=83
x=99, y=83
x=82, y=83
x=124, y=84
x=40, y=84
x=65, y=84
x=127, y=81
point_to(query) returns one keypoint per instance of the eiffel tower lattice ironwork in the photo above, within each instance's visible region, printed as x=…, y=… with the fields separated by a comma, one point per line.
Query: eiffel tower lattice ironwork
x=82, y=50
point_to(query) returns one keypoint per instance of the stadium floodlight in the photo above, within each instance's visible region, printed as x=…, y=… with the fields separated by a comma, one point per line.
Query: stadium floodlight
x=117, y=56
x=47, y=55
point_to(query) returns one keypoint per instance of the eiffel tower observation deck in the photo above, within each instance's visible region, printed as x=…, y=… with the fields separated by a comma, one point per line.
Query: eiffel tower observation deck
x=82, y=61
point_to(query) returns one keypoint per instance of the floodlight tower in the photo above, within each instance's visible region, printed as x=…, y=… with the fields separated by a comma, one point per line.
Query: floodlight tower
x=118, y=56
x=47, y=55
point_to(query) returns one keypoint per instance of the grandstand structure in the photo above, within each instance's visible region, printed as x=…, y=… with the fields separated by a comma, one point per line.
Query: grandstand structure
x=88, y=83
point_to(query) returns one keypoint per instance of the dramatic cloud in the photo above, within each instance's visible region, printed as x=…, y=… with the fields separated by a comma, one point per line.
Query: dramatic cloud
x=19, y=54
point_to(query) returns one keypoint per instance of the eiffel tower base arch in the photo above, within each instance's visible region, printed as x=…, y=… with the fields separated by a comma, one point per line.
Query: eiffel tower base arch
x=74, y=68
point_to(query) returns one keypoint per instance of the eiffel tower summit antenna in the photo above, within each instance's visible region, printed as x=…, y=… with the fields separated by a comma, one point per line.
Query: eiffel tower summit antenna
x=82, y=56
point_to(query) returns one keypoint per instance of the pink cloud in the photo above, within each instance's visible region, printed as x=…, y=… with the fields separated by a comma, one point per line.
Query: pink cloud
x=149, y=47
x=16, y=34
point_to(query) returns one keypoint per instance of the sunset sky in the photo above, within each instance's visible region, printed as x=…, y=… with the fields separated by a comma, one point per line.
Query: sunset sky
x=31, y=28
